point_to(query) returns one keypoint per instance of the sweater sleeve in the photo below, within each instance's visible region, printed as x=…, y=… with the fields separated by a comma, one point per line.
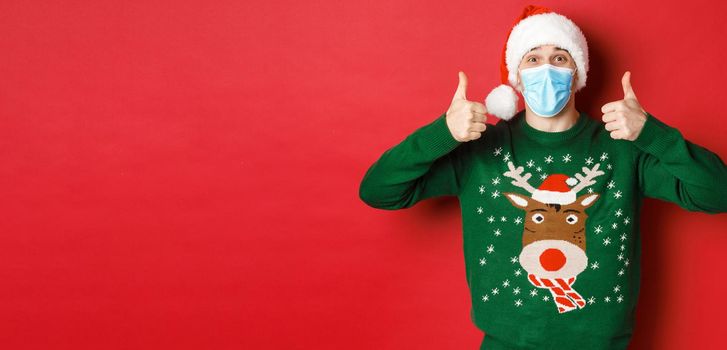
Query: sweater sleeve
x=419, y=167
x=673, y=169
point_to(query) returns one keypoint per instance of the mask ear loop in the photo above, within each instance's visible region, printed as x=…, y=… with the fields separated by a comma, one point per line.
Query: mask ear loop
x=519, y=86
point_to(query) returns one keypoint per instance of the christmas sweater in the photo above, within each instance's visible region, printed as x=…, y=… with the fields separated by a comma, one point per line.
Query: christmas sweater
x=550, y=219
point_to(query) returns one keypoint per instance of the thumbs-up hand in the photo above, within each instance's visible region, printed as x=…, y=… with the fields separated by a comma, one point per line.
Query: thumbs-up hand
x=624, y=118
x=465, y=119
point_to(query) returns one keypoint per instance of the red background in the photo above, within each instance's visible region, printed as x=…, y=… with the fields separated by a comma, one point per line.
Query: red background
x=184, y=174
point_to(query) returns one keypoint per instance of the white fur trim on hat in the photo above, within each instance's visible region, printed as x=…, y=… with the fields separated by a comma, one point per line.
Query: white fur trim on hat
x=554, y=197
x=502, y=102
x=546, y=29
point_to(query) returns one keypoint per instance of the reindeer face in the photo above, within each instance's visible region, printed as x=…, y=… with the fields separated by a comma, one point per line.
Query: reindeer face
x=554, y=236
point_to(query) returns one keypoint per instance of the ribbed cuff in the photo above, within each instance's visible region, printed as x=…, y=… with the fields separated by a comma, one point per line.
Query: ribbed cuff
x=440, y=139
x=655, y=136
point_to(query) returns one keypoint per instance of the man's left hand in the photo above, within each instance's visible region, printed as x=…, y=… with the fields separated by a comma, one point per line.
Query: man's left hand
x=624, y=118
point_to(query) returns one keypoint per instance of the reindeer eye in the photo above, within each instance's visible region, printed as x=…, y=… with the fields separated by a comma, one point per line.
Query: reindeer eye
x=571, y=219
x=538, y=218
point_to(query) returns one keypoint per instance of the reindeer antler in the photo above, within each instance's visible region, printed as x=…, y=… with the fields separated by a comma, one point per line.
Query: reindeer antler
x=585, y=181
x=520, y=181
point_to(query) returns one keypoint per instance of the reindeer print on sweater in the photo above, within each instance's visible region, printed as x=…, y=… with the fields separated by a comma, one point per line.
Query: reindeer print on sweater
x=554, y=240
x=554, y=231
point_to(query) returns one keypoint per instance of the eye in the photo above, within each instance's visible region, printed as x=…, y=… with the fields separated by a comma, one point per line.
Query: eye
x=531, y=59
x=538, y=218
x=571, y=219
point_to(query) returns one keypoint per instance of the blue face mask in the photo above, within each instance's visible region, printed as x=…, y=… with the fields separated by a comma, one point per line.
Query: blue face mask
x=546, y=88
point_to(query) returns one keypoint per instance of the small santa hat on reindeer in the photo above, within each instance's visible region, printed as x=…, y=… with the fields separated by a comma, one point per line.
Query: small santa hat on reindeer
x=555, y=189
x=535, y=26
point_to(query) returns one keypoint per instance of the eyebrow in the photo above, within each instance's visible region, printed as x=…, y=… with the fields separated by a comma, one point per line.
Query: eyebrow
x=556, y=49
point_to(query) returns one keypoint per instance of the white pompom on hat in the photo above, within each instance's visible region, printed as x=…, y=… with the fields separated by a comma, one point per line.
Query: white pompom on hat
x=536, y=26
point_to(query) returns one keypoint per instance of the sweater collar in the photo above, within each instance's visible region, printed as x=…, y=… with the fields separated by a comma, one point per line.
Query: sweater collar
x=548, y=137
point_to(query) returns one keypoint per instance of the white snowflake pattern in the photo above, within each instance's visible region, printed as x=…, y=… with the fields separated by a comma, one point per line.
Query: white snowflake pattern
x=598, y=229
x=607, y=241
x=591, y=300
x=626, y=262
x=611, y=184
x=621, y=272
x=589, y=160
x=530, y=163
x=518, y=272
x=506, y=157
x=543, y=176
x=496, y=181
x=607, y=299
x=604, y=156
x=620, y=257
x=616, y=288
x=618, y=213
x=627, y=220
x=491, y=219
x=518, y=220
x=623, y=247
x=594, y=265
x=503, y=219
x=614, y=225
x=497, y=232
x=617, y=195
x=538, y=169
x=497, y=151
x=482, y=189
x=479, y=210
x=623, y=237
x=533, y=292
x=516, y=290
x=549, y=159
x=490, y=249
x=483, y=261
x=485, y=297
x=620, y=298
x=590, y=190
x=495, y=291
x=513, y=259
x=566, y=158
x=505, y=283
x=609, y=166
x=518, y=303
x=546, y=298
x=496, y=194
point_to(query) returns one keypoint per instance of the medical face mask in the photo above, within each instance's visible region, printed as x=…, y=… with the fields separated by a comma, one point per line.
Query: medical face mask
x=546, y=88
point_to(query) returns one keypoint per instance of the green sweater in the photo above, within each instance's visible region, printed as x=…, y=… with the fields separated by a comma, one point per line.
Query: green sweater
x=552, y=258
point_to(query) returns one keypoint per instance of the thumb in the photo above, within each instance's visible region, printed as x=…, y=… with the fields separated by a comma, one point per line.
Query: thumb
x=461, y=93
x=628, y=90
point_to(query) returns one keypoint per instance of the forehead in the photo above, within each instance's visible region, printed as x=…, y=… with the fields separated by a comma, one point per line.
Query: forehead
x=573, y=208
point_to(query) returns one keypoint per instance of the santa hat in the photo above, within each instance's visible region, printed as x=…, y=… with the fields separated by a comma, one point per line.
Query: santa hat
x=536, y=26
x=555, y=190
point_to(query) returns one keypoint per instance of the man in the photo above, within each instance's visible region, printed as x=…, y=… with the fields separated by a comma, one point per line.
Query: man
x=557, y=265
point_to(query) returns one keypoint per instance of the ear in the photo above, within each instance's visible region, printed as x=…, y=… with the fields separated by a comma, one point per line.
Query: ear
x=587, y=200
x=517, y=200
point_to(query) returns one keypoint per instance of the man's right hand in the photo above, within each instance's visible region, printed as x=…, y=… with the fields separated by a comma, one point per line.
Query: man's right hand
x=465, y=119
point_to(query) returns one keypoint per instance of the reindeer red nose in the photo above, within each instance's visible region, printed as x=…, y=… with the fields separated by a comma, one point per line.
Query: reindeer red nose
x=552, y=259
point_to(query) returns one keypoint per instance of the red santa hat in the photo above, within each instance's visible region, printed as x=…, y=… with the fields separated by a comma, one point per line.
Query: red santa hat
x=556, y=190
x=536, y=26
